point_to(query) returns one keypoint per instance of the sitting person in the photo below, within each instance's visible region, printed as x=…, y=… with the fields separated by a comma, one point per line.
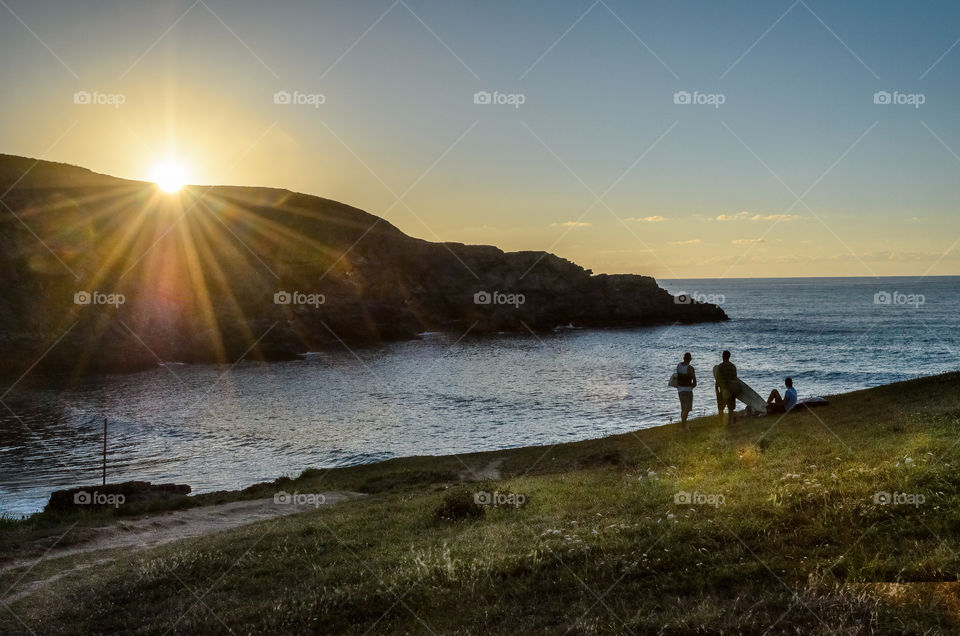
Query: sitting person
x=785, y=404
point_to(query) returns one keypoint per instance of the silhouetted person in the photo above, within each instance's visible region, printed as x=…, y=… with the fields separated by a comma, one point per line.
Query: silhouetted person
x=686, y=380
x=785, y=404
x=727, y=387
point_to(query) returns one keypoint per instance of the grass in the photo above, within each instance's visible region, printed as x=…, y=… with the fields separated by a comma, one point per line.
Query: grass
x=792, y=540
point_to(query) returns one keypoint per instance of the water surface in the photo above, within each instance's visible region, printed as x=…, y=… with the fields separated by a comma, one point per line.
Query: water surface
x=220, y=426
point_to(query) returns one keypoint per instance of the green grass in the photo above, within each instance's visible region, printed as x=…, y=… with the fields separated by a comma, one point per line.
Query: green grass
x=798, y=545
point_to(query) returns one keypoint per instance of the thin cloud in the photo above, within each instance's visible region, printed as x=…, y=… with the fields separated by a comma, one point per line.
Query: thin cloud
x=571, y=224
x=747, y=216
x=812, y=259
x=774, y=217
x=690, y=242
x=648, y=219
x=748, y=241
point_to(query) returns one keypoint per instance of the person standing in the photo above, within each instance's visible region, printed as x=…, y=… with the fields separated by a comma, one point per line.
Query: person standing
x=728, y=386
x=686, y=381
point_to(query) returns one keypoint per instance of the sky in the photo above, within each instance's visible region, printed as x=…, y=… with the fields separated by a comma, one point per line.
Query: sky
x=679, y=139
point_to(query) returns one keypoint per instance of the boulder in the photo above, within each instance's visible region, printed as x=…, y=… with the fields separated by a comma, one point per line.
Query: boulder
x=140, y=494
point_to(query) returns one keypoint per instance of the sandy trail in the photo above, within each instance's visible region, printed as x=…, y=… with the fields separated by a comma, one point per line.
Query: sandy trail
x=154, y=530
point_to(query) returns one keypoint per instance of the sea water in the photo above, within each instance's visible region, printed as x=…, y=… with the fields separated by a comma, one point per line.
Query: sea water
x=228, y=426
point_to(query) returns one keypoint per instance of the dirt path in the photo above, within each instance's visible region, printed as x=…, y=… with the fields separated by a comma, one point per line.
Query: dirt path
x=147, y=532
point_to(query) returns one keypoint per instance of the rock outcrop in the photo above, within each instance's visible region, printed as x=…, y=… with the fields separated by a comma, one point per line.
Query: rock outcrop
x=132, y=495
x=101, y=274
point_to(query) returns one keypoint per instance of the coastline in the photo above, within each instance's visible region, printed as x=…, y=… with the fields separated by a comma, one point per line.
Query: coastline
x=458, y=466
x=486, y=456
x=438, y=400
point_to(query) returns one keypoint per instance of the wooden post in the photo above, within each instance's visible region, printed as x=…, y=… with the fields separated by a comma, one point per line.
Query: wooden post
x=104, y=451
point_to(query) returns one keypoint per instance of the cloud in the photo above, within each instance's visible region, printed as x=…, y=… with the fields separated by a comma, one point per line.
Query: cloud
x=748, y=241
x=648, y=219
x=881, y=257
x=747, y=216
x=906, y=256
x=690, y=242
x=740, y=216
x=571, y=224
x=489, y=228
x=774, y=217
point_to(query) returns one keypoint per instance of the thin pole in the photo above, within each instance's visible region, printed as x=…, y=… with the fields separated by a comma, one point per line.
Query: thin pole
x=104, y=451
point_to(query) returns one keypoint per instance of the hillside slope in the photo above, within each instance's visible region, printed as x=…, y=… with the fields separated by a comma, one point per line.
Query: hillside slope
x=200, y=274
x=840, y=520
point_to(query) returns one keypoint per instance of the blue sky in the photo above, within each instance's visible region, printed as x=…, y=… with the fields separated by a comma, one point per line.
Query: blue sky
x=694, y=190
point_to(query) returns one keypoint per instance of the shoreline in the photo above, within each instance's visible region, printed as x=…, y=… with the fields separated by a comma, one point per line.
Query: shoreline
x=492, y=454
x=258, y=488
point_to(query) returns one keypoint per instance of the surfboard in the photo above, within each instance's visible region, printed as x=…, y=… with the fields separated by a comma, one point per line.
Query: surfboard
x=720, y=404
x=812, y=402
x=752, y=399
x=747, y=395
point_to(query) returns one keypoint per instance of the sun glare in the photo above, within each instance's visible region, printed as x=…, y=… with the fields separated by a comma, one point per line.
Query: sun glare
x=169, y=176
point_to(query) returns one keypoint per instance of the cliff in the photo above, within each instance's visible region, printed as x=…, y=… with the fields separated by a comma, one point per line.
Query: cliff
x=105, y=274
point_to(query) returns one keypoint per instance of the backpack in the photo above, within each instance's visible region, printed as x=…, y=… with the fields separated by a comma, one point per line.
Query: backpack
x=683, y=379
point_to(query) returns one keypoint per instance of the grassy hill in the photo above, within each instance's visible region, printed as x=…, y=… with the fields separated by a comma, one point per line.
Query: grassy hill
x=777, y=525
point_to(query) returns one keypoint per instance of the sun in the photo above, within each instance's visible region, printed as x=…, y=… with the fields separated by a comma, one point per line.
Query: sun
x=169, y=176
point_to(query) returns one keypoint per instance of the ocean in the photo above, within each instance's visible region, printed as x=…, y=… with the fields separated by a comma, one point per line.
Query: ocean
x=223, y=427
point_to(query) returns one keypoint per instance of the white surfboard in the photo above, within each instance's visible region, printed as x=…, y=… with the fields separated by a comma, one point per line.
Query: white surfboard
x=747, y=395
x=752, y=399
